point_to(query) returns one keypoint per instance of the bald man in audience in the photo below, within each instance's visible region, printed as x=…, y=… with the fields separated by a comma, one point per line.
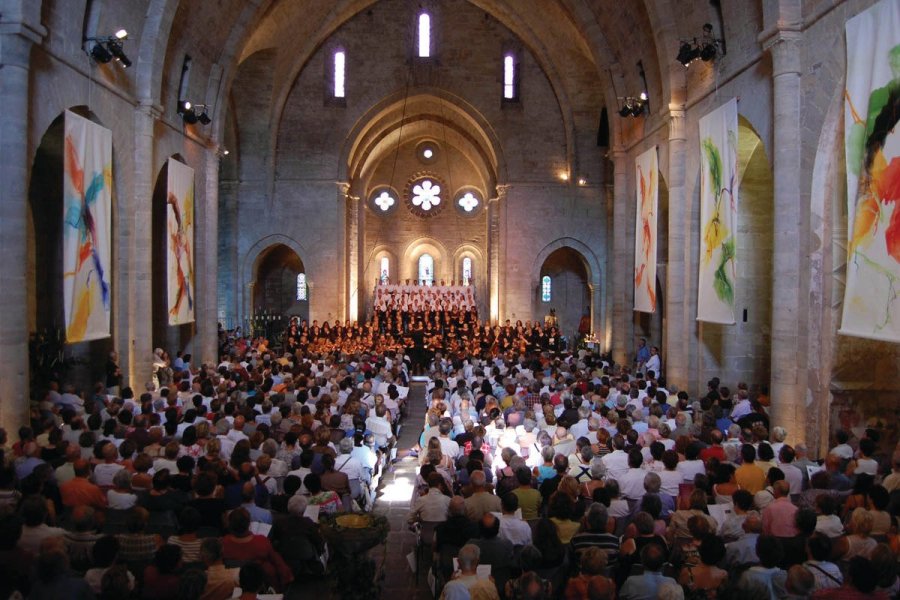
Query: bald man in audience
x=481, y=501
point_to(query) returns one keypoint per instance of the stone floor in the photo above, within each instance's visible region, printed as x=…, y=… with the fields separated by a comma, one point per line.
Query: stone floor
x=394, y=496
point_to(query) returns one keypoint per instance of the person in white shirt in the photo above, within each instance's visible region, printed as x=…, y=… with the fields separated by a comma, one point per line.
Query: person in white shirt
x=105, y=471
x=653, y=363
x=350, y=465
x=670, y=477
x=792, y=474
x=826, y=574
x=448, y=446
x=432, y=506
x=513, y=528
x=692, y=465
x=380, y=427
x=616, y=462
x=631, y=483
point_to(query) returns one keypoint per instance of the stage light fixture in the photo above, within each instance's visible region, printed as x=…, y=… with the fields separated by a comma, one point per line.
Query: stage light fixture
x=106, y=48
x=625, y=110
x=101, y=54
x=115, y=48
x=706, y=48
x=190, y=115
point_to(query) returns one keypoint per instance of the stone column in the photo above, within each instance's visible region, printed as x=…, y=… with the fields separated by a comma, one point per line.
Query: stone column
x=18, y=32
x=352, y=251
x=493, y=291
x=675, y=357
x=622, y=264
x=140, y=296
x=787, y=391
x=206, y=264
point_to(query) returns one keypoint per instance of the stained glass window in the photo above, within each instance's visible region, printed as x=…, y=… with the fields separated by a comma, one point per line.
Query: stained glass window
x=385, y=269
x=467, y=270
x=426, y=269
x=301, y=286
x=426, y=194
x=545, y=288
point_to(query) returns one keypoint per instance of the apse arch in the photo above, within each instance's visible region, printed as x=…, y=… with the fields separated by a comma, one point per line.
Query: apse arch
x=597, y=299
x=396, y=111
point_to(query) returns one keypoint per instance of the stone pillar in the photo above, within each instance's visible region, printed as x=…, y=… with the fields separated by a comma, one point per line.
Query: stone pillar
x=787, y=391
x=18, y=32
x=206, y=264
x=675, y=357
x=493, y=291
x=140, y=297
x=352, y=250
x=623, y=263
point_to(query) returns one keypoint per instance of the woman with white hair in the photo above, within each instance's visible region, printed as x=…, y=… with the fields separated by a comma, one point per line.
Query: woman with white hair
x=779, y=434
x=299, y=540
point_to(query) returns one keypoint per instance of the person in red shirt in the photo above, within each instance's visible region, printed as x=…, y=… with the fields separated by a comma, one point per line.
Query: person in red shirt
x=79, y=491
x=242, y=545
x=715, y=449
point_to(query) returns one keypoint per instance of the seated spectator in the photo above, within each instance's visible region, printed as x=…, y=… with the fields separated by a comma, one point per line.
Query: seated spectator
x=120, y=496
x=298, y=539
x=208, y=501
x=15, y=563
x=529, y=498
x=105, y=555
x=742, y=505
x=563, y=515
x=595, y=533
x=706, y=577
x=858, y=542
x=252, y=579
x=220, y=580
x=35, y=530
x=79, y=543
x=513, y=528
x=646, y=586
x=432, y=506
x=860, y=584
x=546, y=540
x=592, y=564
x=828, y=523
x=465, y=582
x=189, y=521
x=52, y=576
x=494, y=550
x=678, y=526
x=249, y=498
x=162, y=579
x=79, y=491
x=136, y=545
x=826, y=574
x=482, y=500
x=780, y=516
x=529, y=585
x=742, y=552
x=749, y=475
x=327, y=501
x=240, y=545
x=766, y=575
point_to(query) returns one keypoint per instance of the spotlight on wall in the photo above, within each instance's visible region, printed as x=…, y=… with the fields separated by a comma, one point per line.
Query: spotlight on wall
x=106, y=48
x=189, y=114
x=707, y=47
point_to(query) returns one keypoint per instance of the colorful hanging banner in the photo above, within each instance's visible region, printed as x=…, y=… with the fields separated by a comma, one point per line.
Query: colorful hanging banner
x=180, y=243
x=872, y=294
x=718, y=214
x=646, y=169
x=87, y=209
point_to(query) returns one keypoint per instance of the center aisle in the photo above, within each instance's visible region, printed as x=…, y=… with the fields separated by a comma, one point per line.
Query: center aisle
x=394, y=497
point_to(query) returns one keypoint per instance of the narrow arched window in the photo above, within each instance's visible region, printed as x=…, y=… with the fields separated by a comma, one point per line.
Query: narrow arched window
x=509, y=77
x=426, y=269
x=546, y=288
x=385, y=274
x=339, y=73
x=301, y=286
x=424, y=35
x=467, y=270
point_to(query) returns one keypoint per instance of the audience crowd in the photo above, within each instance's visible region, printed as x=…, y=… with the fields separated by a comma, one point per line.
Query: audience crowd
x=543, y=474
